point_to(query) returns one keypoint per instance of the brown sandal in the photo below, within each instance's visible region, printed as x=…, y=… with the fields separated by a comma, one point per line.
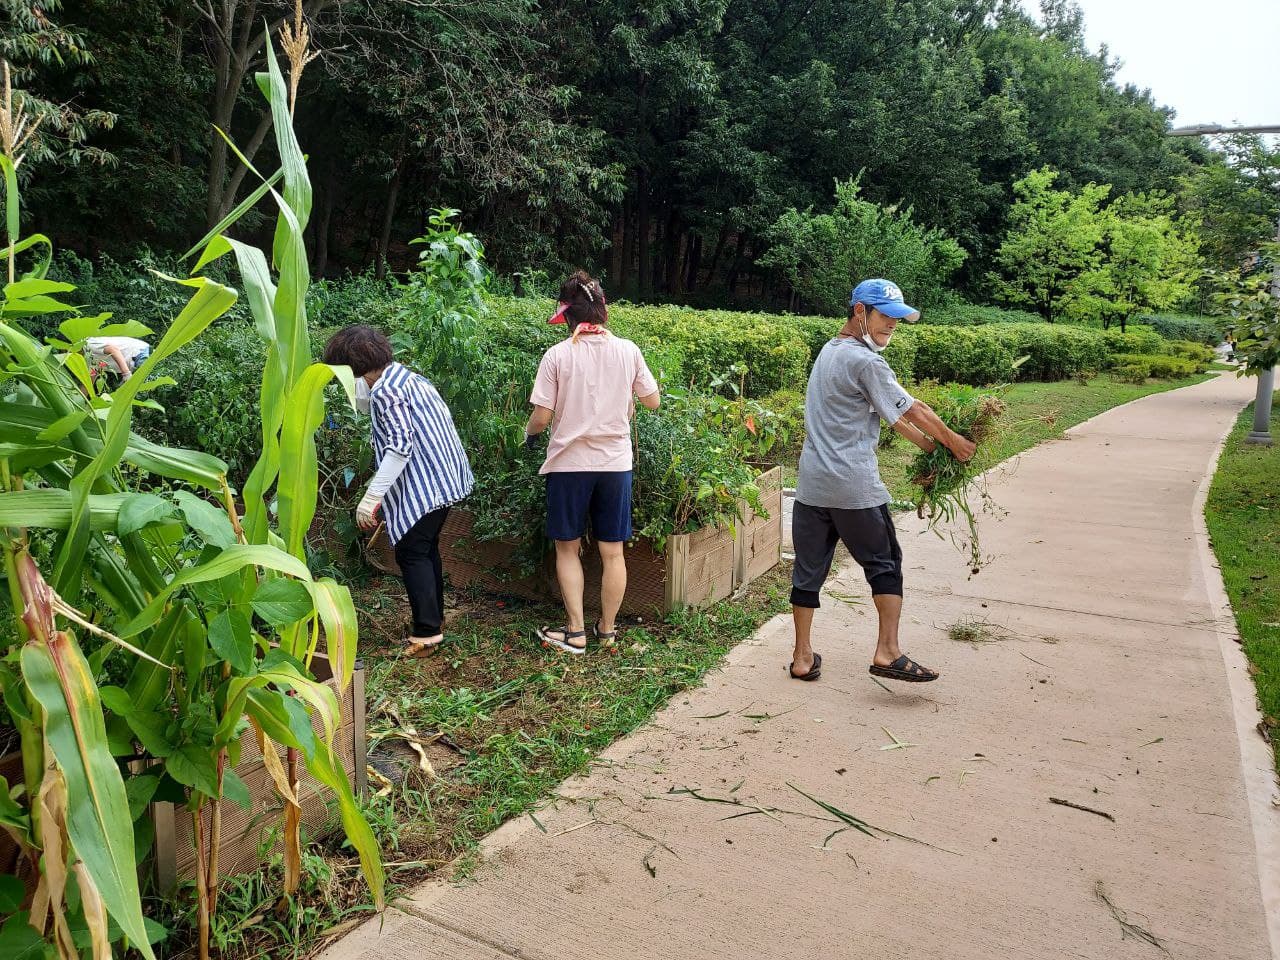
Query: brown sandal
x=417, y=649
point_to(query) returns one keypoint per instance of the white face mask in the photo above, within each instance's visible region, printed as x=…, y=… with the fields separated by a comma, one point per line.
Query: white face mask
x=362, y=394
x=870, y=341
x=867, y=339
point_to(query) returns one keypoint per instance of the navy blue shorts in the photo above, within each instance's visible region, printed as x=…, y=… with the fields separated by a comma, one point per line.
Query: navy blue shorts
x=604, y=497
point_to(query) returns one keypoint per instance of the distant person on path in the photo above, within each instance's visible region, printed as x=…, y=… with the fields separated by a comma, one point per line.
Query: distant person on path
x=422, y=470
x=121, y=355
x=586, y=391
x=839, y=493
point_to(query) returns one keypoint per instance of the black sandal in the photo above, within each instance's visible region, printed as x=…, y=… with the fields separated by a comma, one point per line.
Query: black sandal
x=545, y=635
x=905, y=669
x=600, y=635
x=814, y=672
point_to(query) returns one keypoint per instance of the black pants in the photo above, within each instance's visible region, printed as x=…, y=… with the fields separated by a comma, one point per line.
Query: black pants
x=418, y=554
x=868, y=535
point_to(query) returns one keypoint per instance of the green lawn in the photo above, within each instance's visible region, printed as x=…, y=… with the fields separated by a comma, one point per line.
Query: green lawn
x=1036, y=412
x=1243, y=514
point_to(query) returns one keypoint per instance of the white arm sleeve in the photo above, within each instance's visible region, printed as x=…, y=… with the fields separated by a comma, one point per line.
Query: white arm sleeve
x=393, y=464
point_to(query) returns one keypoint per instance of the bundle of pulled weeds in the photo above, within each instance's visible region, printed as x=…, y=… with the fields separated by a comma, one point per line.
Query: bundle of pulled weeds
x=946, y=484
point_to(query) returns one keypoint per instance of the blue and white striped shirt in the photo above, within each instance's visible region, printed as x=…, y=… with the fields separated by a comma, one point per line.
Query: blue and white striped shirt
x=410, y=417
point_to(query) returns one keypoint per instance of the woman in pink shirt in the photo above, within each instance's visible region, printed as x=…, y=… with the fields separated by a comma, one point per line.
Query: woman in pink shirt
x=585, y=391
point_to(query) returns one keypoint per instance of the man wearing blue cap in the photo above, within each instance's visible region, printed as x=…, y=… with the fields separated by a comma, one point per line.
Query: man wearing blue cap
x=839, y=493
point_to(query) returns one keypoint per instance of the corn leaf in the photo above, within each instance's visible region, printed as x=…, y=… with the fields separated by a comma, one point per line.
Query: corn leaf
x=210, y=301
x=47, y=508
x=230, y=560
x=176, y=463
x=284, y=676
x=95, y=913
x=337, y=613
x=149, y=682
x=98, y=821
x=297, y=184
x=297, y=488
x=22, y=423
x=271, y=711
x=12, y=222
x=243, y=207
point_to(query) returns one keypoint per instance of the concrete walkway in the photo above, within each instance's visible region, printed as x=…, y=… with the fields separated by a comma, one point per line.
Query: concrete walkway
x=1110, y=681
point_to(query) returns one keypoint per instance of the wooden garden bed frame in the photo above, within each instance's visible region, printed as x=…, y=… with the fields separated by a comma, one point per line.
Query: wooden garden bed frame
x=245, y=832
x=696, y=569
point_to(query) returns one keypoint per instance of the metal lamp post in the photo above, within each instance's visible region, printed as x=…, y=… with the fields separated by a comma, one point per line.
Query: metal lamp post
x=1261, y=432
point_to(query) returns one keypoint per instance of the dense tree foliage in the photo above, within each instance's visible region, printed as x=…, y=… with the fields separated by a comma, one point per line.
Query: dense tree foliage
x=659, y=143
x=1054, y=241
x=1233, y=205
x=1085, y=254
x=818, y=253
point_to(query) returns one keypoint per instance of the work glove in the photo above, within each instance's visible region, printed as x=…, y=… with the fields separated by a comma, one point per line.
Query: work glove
x=367, y=511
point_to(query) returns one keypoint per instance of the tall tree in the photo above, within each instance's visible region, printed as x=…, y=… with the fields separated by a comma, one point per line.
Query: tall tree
x=32, y=45
x=1149, y=263
x=1235, y=200
x=234, y=34
x=1055, y=238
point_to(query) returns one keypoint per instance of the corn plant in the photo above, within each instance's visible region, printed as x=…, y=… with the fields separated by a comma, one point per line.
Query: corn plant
x=215, y=611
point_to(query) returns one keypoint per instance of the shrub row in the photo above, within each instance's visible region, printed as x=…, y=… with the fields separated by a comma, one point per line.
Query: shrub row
x=211, y=409
x=684, y=346
x=961, y=314
x=1137, y=367
x=693, y=347
x=1183, y=326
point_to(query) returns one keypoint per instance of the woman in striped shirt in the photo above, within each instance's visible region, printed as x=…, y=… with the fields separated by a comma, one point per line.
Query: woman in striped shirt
x=422, y=470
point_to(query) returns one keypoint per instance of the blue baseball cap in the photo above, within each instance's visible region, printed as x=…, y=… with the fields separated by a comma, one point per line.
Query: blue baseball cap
x=884, y=296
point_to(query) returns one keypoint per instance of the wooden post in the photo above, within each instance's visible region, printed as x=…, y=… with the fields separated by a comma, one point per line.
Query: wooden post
x=677, y=570
x=359, y=745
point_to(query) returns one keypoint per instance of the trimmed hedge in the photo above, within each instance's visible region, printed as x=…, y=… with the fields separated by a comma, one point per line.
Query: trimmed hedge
x=1136, y=340
x=1137, y=367
x=1185, y=326
x=962, y=355
x=686, y=346
x=960, y=314
x=1198, y=353
x=712, y=341
x=683, y=346
x=1052, y=352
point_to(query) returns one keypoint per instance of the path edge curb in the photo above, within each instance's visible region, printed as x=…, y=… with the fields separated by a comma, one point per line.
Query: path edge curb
x=1257, y=761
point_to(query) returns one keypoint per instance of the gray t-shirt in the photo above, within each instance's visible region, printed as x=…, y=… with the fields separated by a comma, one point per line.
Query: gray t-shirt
x=851, y=389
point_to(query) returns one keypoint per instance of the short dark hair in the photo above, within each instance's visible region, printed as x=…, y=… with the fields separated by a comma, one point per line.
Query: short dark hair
x=586, y=301
x=360, y=347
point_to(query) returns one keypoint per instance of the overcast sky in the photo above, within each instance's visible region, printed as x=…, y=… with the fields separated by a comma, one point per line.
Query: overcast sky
x=1214, y=61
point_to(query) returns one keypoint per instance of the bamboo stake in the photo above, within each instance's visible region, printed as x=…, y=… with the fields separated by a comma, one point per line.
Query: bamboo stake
x=202, y=891
x=215, y=839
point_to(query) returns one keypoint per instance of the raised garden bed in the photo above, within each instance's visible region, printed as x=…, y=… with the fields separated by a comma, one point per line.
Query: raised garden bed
x=245, y=832
x=696, y=569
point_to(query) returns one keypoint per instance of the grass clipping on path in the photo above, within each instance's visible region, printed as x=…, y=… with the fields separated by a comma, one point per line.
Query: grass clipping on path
x=945, y=485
